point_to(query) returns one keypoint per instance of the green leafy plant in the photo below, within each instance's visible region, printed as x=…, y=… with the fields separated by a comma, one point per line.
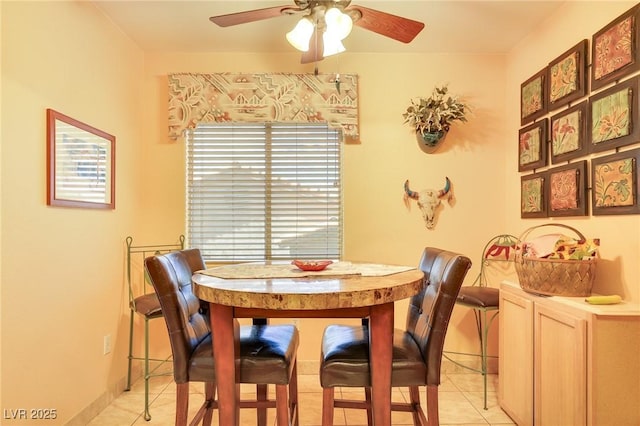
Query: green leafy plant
x=435, y=113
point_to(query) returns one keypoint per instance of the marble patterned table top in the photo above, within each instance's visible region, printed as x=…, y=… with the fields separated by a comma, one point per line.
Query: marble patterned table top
x=287, y=270
x=285, y=287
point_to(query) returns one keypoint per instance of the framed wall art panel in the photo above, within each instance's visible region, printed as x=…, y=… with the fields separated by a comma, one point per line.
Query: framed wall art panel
x=533, y=196
x=613, y=116
x=568, y=76
x=80, y=164
x=533, y=97
x=568, y=190
x=615, y=49
x=614, y=182
x=532, y=146
x=569, y=133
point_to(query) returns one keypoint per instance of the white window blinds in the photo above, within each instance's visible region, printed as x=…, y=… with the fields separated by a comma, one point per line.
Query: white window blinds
x=262, y=191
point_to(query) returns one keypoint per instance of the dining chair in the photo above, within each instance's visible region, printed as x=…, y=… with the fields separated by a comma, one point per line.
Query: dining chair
x=417, y=350
x=144, y=303
x=268, y=353
x=484, y=301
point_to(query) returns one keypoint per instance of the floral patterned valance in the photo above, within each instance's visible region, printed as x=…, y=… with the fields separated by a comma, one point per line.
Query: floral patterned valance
x=207, y=98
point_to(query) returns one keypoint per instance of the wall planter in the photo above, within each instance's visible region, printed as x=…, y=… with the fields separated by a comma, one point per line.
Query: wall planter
x=431, y=141
x=431, y=117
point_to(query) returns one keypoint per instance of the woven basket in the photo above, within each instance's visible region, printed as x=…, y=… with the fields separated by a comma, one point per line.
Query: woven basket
x=554, y=277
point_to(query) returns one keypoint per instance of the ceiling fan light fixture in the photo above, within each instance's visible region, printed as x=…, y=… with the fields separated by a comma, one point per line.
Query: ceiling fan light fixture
x=338, y=23
x=300, y=35
x=332, y=44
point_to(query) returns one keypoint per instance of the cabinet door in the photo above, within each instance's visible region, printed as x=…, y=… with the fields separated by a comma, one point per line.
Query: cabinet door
x=515, y=390
x=560, y=368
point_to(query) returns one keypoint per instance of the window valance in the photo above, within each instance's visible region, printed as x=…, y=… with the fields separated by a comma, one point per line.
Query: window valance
x=200, y=98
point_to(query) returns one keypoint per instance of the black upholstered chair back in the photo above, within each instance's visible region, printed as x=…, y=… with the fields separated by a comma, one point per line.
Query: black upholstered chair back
x=430, y=310
x=187, y=322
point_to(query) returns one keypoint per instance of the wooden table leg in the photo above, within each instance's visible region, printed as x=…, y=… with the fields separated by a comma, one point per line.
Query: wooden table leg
x=380, y=347
x=225, y=330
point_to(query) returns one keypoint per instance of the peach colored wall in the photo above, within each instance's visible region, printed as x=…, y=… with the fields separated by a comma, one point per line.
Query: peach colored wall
x=50, y=358
x=62, y=268
x=619, y=271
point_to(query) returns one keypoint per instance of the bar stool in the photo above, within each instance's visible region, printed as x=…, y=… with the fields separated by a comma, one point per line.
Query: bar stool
x=144, y=302
x=268, y=352
x=484, y=300
x=416, y=352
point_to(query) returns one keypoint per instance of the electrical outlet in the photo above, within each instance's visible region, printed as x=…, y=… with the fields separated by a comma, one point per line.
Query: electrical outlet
x=107, y=344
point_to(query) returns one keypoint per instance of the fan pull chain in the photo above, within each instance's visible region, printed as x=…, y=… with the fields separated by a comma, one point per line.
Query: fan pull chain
x=338, y=73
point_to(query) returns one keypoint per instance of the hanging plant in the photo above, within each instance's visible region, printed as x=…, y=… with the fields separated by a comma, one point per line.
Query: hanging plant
x=436, y=113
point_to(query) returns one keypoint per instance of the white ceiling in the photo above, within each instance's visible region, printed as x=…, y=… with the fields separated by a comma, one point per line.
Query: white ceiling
x=451, y=26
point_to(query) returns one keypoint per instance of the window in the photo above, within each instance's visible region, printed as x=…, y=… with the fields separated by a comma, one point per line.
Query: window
x=264, y=191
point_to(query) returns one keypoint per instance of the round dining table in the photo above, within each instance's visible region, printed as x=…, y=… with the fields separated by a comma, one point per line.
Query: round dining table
x=345, y=290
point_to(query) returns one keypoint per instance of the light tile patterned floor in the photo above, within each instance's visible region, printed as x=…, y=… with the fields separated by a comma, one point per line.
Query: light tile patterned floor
x=460, y=398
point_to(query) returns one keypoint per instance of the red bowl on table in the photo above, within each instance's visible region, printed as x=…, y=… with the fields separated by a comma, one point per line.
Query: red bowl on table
x=312, y=265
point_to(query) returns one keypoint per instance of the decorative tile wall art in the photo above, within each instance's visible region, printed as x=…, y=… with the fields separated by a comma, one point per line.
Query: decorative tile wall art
x=615, y=49
x=568, y=133
x=568, y=76
x=568, y=190
x=533, y=97
x=532, y=146
x=597, y=111
x=533, y=196
x=613, y=116
x=614, y=187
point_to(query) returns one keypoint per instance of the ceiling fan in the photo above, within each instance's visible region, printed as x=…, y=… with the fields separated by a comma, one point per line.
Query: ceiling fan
x=319, y=22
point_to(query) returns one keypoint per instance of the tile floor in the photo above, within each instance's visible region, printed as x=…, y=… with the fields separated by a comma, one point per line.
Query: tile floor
x=460, y=397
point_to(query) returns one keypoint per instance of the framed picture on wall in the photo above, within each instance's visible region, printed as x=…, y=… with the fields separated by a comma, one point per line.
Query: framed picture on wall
x=615, y=183
x=568, y=190
x=533, y=97
x=532, y=146
x=615, y=49
x=80, y=164
x=568, y=76
x=568, y=133
x=533, y=196
x=613, y=116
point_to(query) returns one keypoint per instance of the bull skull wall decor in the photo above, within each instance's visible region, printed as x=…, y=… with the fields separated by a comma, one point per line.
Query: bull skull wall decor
x=428, y=201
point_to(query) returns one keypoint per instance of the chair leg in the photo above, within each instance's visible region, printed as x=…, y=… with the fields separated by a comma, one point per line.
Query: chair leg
x=432, y=405
x=182, y=403
x=483, y=352
x=261, y=413
x=147, y=415
x=414, y=397
x=130, y=359
x=367, y=397
x=484, y=325
x=210, y=397
x=293, y=395
x=282, y=405
x=327, y=406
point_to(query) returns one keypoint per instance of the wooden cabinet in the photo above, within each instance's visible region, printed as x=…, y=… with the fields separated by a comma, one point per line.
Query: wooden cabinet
x=565, y=362
x=515, y=350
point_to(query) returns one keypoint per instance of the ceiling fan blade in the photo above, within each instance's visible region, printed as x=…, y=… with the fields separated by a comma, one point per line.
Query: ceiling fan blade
x=386, y=24
x=252, y=15
x=316, y=49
